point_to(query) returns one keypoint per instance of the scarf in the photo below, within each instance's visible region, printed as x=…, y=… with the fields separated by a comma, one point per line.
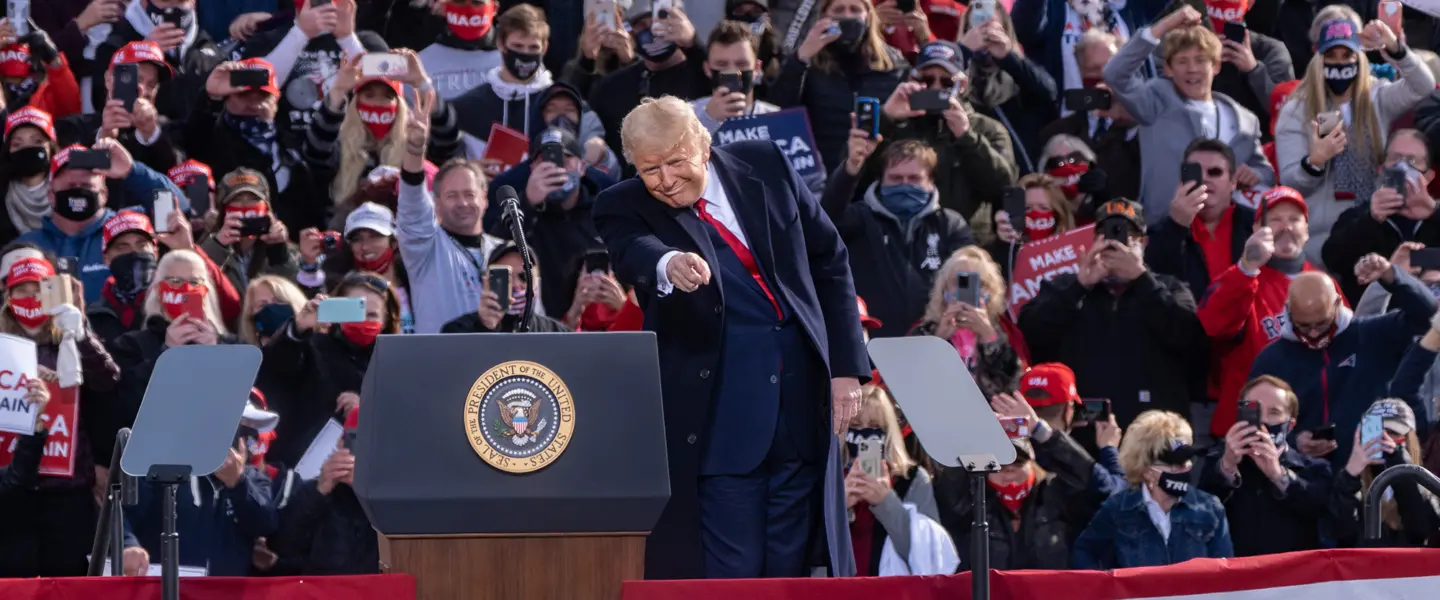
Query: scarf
x=27, y=206
x=964, y=342
x=258, y=132
x=1288, y=266
x=1353, y=170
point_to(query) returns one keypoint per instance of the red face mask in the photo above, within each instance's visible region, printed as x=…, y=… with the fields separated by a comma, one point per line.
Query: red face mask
x=1319, y=342
x=363, y=333
x=1069, y=176
x=1221, y=11
x=467, y=22
x=28, y=312
x=1039, y=224
x=378, y=118
x=1012, y=495
x=380, y=264
x=172, y=297
x=597, y=316
x=1091, y=82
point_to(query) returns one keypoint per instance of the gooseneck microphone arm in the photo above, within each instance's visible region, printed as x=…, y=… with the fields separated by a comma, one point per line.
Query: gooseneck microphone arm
x=514, y=218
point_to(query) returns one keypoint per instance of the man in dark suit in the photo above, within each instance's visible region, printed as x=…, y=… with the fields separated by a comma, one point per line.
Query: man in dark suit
x=746, y=284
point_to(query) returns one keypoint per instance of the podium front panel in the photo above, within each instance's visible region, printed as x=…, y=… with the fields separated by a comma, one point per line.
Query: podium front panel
x=532, y=433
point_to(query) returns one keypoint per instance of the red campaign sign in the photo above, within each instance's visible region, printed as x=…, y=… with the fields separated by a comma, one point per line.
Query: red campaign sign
x=1038, y=262
x=62, y=413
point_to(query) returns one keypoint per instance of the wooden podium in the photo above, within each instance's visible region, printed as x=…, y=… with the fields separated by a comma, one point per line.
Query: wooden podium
x=513, y=466
x=460, y=567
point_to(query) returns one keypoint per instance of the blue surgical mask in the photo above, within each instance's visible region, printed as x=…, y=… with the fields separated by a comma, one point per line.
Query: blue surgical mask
x=572, y=180
x=905, y=200
x=271, y=317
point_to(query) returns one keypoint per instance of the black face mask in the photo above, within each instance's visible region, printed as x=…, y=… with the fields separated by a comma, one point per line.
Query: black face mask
x=179, y=17
x=133, y=273
x=77, y=204
x=851, y=32
x=1278, y=433
x=522, y=65
x=1174, y=485
x=29, y=161
x=1339, y=78
x=271, y=317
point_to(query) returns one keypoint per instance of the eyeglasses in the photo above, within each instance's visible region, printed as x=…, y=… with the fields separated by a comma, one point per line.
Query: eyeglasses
x=183, y=281
x=1418, y=162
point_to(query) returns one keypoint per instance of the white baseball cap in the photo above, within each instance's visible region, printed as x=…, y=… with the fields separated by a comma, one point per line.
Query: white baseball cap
x=372, y=216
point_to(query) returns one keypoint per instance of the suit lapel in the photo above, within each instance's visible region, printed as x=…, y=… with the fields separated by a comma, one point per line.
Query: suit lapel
x=692, y=225
x=754, y=218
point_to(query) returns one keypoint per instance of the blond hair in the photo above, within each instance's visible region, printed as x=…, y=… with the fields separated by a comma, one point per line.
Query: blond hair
x=1150, y=434
x=356, y=143
x=1389, y=510
x=212, y=304
x=1064, y=211
x=1186, y=38
x=284, y=292
x=877, y=405
x=872, y=45
x=990, y=280
x=1314, y=97
x=665, y=122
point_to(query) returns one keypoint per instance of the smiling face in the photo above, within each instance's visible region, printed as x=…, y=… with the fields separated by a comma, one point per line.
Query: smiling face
x=676, y=177
x=367, y=245
x=1291, y=229
x=1193, y=72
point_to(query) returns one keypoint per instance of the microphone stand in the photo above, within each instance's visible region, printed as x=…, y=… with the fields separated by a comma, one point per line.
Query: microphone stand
x=517, y=233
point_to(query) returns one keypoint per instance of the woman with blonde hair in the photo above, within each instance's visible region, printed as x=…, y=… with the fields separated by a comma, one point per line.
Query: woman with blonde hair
x=844, y=55
x=1156, y=457
x=361, y=125
x=1004, y=84
x=1409, y=514
x=270, y=302
x=884, y=488
x=1337, y=100
x=1048, y=212
x=982, y=333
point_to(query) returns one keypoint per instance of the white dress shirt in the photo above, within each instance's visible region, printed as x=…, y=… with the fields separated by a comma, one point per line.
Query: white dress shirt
x=718, y=207
x=1158, y=516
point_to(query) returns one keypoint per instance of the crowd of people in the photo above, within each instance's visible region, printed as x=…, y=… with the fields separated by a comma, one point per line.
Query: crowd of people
x=1205, y=381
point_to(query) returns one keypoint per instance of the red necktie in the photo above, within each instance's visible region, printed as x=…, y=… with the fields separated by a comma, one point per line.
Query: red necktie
x=741, y=252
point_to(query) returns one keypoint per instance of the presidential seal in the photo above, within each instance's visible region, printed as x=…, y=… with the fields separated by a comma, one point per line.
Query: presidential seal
x=519, y=416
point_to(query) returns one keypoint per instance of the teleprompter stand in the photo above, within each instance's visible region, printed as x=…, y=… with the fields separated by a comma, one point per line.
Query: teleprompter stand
x=953, y=421
x=185, y=427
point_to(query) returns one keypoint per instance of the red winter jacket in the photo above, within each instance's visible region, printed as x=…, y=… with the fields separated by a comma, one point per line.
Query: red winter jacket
x=1241, y=314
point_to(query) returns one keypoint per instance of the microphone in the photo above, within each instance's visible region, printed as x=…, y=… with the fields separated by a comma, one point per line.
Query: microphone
x=510, y=207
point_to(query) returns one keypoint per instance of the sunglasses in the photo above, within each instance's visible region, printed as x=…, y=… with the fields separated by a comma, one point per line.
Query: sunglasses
x=376, y=284
x=935, y=81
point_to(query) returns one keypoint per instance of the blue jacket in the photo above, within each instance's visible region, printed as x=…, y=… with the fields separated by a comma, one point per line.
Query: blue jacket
x=1122, y=535
x=221, y=539
x=1337, y=383
x=141, y=183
